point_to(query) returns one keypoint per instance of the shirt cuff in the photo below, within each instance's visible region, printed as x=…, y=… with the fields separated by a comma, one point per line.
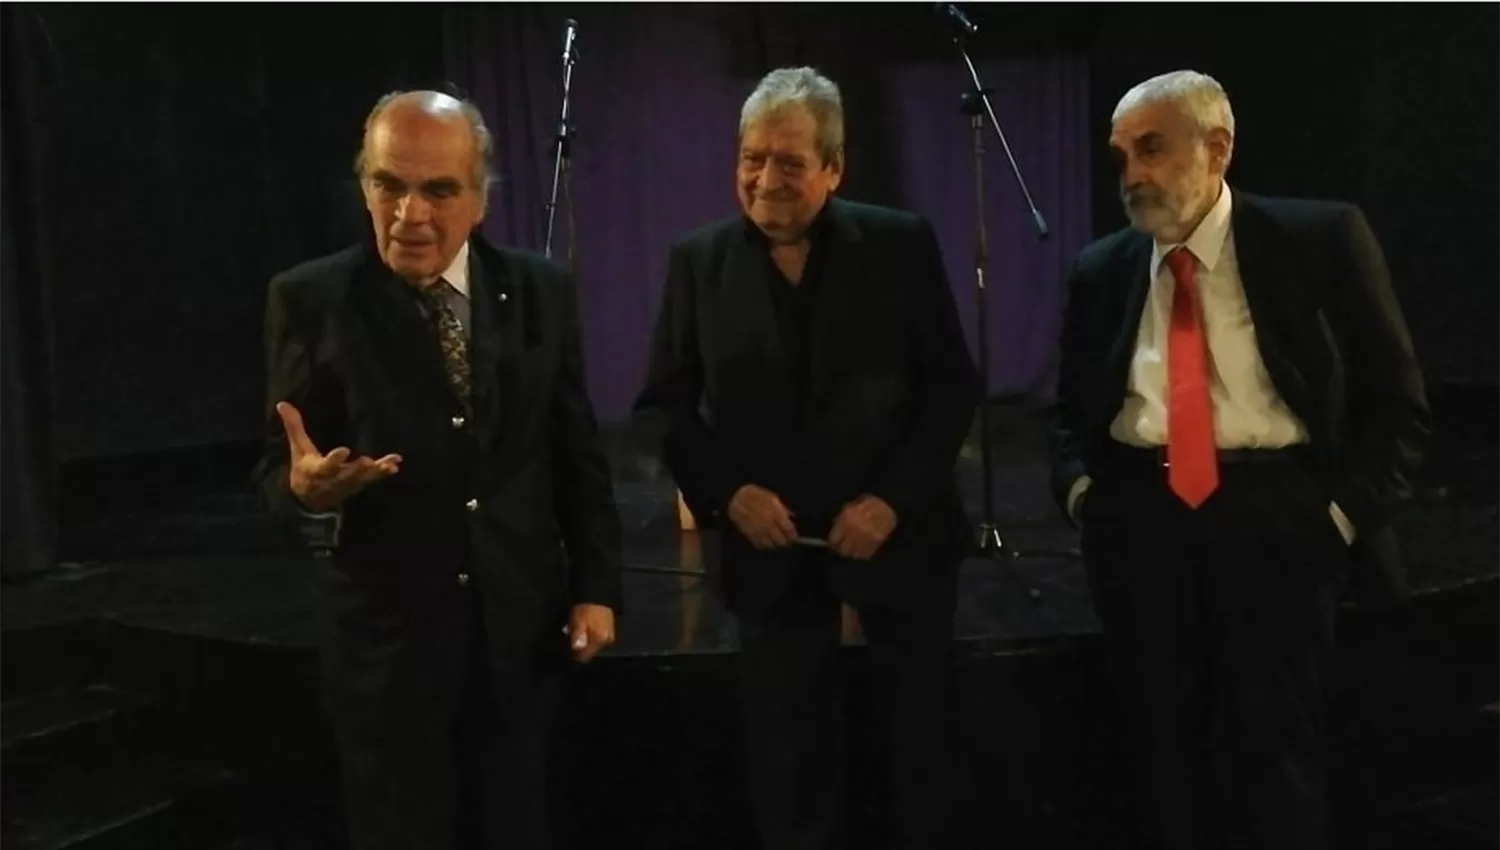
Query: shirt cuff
x=1075, y=493
x=321, y=530
x=1346, y=527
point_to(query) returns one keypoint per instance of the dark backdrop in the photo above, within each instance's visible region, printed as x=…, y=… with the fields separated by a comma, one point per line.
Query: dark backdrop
x=185, y=155
x=158, y=168
x=656, y=100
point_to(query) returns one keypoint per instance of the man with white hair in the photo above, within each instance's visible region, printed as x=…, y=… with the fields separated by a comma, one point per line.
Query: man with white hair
x=816, y=386
x=428, y=428
x=1238, y=408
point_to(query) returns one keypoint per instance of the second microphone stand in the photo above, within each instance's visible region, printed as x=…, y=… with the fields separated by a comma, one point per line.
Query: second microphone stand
x=977, y=106
x=562, y=172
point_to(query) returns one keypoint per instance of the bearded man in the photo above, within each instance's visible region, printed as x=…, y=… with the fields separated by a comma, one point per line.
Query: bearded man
x=1238, y=408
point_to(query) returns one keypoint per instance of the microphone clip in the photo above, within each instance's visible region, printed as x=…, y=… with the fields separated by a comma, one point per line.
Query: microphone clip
x=962, y=26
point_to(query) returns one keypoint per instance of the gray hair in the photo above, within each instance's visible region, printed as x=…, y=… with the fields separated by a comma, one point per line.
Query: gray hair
x=1199, y=96
x=786, y=87
x=484, y=144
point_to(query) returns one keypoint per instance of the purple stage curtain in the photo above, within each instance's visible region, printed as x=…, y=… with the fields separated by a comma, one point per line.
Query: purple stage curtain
x=656, y=96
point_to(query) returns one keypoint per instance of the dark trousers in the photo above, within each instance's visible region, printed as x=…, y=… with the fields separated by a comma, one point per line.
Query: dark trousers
x=476, y=782
x=793, y=715
x=1219, y=623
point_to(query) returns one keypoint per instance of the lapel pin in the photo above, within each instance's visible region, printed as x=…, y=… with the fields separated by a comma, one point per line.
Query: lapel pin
x=504, y=297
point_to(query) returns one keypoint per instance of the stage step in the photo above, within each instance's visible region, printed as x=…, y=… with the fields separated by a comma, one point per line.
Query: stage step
x=1459, y=819
x=33, y=718
x=114, y=801
x=91, y=765
x=1452, y=803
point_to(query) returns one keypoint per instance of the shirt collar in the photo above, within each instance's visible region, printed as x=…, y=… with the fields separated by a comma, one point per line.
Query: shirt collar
x=457, y=273
x=1207, y=240
x=816, y=229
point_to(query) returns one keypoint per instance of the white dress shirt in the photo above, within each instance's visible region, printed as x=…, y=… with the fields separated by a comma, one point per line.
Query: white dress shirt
x=457, y=273
x=1248, y=413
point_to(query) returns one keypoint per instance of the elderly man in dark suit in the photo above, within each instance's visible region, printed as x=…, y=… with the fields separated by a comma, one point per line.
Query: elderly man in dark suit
x=816, y=387
x=1238, y=409
x=428, y=429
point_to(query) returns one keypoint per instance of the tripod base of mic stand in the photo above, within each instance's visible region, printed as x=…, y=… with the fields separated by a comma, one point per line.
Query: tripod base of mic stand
x=989, y=543
x=989, y=546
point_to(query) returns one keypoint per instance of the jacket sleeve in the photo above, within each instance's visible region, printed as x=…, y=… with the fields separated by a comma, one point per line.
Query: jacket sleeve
x=947, y=383
x=585, y=502
x=1065, y=416
x=1388, y=420
x=672, y=399
x=289, y=341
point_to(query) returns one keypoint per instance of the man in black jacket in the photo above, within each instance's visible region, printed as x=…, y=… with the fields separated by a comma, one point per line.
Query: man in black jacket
x=1238, y=408
x=812, y=372
x=429, y=430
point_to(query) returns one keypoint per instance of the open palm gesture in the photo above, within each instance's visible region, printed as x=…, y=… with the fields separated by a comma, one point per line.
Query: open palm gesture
x=321, y=482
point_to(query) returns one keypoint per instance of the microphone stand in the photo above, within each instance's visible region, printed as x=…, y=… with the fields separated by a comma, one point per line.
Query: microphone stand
x=562, y=172
x=976, y=105
x=562, y=177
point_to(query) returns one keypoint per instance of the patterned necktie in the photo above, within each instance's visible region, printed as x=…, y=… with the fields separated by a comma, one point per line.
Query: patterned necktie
x=1192, y=459
x=450, y=333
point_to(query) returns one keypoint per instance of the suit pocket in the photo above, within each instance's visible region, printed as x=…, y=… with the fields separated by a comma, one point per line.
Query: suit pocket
x=856, y=399
x=545, y=568
x=532, y=371
x=361, y=601
x=1316, y=509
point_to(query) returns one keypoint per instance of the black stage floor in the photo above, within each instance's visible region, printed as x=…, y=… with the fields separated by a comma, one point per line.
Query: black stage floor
x=160, y=690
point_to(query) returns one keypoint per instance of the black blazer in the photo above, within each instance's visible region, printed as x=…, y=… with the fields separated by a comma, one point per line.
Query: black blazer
x=515, y=494
x=891, y=398
x=1331, y=334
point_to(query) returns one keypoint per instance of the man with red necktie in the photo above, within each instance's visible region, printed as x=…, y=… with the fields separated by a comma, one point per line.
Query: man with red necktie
x=1238, y=408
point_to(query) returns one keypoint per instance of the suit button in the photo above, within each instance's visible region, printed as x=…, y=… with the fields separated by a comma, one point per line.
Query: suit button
x=458, y=422
x=472, y=504
x=463, y=578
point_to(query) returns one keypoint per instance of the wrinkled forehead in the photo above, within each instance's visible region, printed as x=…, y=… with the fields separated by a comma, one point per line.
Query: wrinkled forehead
x=1148, y=121
x=417, y=151
x=791, y=128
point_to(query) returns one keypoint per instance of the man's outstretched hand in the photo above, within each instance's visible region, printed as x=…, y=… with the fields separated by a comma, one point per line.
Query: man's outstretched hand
x=321, y=482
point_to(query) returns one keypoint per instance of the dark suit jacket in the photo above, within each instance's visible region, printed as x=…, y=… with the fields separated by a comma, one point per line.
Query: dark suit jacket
x=892, y=395
x=1333, y=340
x=516, y=494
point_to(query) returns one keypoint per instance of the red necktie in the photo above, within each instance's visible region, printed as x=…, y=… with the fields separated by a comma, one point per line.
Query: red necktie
x=1192, y=460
